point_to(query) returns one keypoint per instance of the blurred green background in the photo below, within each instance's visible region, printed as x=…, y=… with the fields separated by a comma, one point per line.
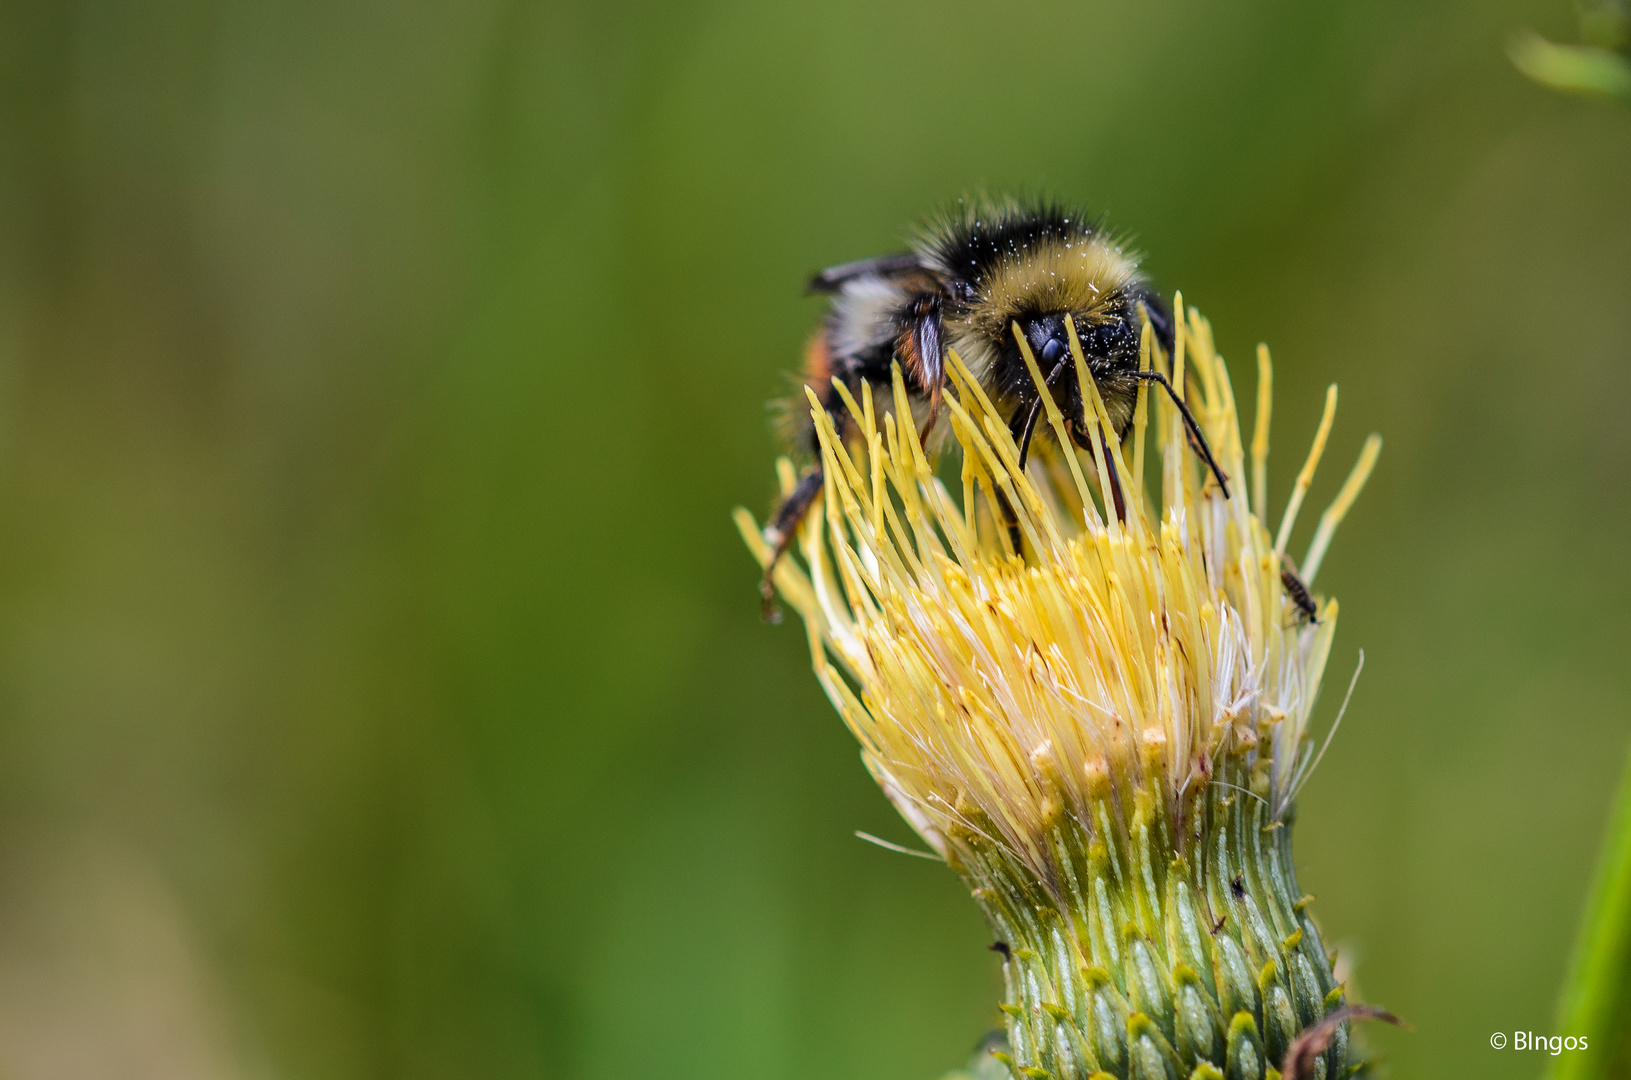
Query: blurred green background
x=382, y=688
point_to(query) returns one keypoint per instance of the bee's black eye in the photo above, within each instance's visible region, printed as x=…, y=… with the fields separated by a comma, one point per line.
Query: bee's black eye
x=1053, y=351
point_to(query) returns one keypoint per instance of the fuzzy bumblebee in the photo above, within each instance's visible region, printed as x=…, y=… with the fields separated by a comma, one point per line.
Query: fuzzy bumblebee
x=996, y=281
x=1103, y=730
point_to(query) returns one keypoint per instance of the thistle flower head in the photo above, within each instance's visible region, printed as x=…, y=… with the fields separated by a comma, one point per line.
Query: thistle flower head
x=1104, y=733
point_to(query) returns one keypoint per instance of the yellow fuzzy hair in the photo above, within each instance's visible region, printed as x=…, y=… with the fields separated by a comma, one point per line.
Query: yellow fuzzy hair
x=1081, y=276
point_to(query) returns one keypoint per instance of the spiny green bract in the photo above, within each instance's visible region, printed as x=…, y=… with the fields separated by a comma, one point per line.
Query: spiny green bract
x=1147, y=960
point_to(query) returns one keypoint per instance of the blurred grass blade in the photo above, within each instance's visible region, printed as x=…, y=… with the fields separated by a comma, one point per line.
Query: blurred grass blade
x=1597, y=994
x=1572, y=69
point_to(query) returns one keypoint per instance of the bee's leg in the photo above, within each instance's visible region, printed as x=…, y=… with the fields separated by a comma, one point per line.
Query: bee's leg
x=1010, y=520
x=1022, y=427
x=1196, y=438
x=1115, y=487
x=779, y=536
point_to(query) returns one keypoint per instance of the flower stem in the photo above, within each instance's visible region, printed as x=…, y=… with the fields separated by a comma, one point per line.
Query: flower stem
x=1596, y=1001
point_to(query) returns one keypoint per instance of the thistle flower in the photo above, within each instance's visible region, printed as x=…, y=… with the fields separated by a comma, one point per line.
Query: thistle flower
x=1103, y=734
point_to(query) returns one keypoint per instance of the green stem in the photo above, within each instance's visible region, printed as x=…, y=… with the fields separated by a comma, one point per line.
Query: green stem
x=1596, y=1002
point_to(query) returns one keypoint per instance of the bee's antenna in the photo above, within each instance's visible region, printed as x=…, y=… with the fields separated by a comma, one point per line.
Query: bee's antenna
x=1023, y=425
x=1194, y=429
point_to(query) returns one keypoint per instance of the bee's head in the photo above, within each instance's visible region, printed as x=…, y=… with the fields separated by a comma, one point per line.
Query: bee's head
x=1109, y=337
x=1048, y=338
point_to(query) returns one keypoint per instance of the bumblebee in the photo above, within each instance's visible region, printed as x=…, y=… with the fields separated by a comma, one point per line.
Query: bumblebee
x=977, y=280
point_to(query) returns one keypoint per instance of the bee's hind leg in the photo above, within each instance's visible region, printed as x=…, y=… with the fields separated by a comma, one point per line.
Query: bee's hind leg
x=779, y=536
